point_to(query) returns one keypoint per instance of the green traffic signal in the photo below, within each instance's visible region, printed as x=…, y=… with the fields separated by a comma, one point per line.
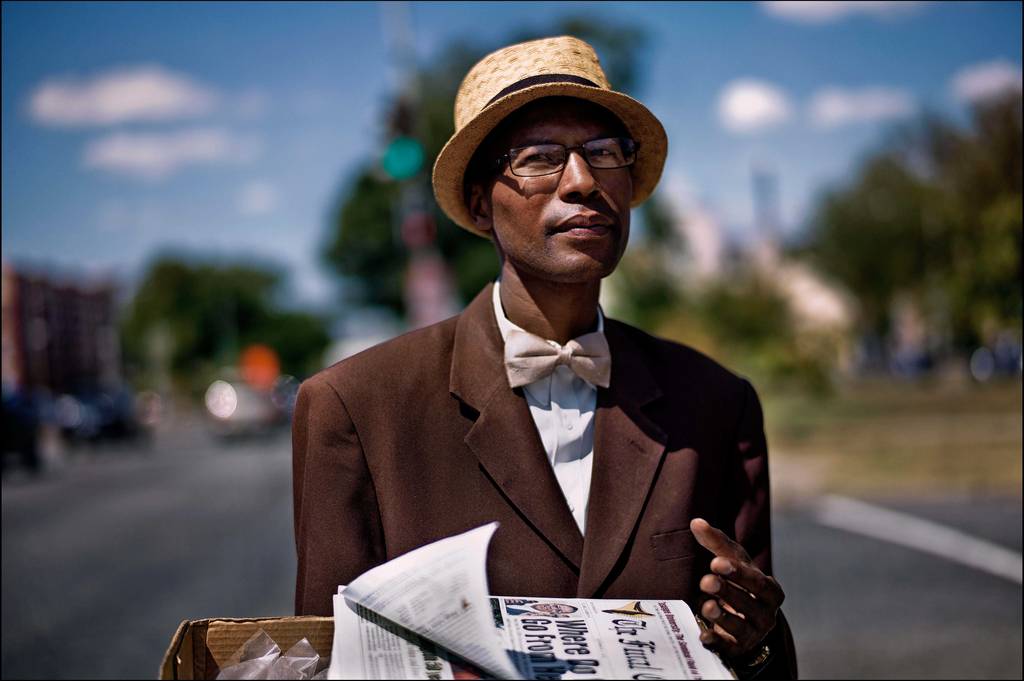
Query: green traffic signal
x=403, y=158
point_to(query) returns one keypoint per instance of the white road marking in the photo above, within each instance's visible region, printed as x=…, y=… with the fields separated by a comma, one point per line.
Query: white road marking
x=924, y=535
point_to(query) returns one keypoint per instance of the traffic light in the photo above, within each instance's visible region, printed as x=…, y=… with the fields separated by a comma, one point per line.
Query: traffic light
x=403, y=156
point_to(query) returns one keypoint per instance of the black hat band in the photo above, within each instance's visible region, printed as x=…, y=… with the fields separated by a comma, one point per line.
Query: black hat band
x=540, y=80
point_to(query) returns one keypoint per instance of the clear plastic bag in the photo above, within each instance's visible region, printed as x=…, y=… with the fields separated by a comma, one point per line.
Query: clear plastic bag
x=260, y=658
x=298, y=663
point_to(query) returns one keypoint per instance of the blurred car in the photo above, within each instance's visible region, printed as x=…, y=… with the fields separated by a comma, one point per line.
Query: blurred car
x=92, y=416
x=21, y=429
x=236, y=408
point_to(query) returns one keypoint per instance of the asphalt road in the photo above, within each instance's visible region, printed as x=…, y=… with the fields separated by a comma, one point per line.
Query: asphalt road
x=104, y=556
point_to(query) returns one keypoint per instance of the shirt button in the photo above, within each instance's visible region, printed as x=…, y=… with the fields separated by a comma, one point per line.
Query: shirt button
x=568, y=426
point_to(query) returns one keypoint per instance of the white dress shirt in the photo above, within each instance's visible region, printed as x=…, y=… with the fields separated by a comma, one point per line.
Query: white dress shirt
x=562, y=406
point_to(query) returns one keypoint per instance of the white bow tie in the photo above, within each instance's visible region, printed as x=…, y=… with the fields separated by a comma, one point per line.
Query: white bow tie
x=529, y=358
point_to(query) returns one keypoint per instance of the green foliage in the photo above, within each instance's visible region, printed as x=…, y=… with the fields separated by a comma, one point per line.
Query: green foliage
x=981, y=177
x=871, y=237
x=745, y=323
x=645, y=275
x=659, y=226
x=298, y=338
x=649, y=292
x=363, y=245
x=745, y=313
x=208, y=312
x=935, y=215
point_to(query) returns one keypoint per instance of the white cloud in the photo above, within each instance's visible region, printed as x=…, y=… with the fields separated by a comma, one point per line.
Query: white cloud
x=155, y=156
x=258, y=197
x=832, y=107
x=981, y=81
x=747, y=105
x=827, y=11
x=142, y=93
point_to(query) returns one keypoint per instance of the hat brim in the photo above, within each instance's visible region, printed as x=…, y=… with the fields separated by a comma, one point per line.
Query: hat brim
x=450, y=167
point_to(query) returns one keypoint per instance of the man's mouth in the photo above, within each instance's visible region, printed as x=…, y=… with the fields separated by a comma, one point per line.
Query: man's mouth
x=585, y=225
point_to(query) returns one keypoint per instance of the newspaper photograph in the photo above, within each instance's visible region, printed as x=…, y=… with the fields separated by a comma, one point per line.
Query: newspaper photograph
x=427, y=615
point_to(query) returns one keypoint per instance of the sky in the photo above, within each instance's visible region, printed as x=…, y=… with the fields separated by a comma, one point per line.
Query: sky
x=229, y=129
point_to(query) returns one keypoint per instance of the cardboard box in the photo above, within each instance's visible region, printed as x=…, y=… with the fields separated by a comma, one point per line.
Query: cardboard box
x=199, y=647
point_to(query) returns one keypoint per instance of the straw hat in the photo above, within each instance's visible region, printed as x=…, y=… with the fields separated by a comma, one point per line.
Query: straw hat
x=505, y=80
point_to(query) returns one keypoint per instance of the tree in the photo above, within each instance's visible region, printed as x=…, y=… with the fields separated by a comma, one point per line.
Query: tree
x=208, y=312
x=363, y=246
x=934, y=214
x=647, y=275
x=871, y=237
x=978, y=173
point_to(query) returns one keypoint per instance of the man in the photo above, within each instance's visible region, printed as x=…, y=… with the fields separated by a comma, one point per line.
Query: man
x=618, y=465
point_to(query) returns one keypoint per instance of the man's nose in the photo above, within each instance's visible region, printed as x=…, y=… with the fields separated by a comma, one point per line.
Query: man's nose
x=578, y=181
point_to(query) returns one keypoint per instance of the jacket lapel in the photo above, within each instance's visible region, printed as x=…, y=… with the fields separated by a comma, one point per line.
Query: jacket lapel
x=504, y=437
x=628, y=451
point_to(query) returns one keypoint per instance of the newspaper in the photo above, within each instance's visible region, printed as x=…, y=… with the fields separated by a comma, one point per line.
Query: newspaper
x=427, y=615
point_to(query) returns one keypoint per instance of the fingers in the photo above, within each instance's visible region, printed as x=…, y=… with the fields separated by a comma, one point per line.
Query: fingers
x=715, y=638
x=731, y=634
x=744, y=600
x=745, y=575
x=758, y=614
x=716, y=541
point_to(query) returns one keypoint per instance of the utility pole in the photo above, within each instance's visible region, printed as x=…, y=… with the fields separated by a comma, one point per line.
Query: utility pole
x=767, y=220
x=429, y=293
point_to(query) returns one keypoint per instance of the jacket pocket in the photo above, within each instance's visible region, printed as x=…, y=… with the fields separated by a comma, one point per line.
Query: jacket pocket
x=672, y=545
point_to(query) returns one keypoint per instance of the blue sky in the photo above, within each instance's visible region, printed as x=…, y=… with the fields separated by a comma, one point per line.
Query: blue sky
x=228, y=129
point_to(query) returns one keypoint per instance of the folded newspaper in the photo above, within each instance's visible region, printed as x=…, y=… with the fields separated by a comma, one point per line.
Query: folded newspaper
x=427, y=615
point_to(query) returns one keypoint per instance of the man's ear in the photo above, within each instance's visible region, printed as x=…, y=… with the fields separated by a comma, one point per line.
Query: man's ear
x=480, y=208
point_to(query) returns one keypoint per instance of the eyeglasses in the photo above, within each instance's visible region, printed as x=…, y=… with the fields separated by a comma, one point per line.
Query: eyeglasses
x=546, y=159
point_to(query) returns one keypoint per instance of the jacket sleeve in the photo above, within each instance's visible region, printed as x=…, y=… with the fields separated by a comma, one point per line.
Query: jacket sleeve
x=750, y=489
x=753, y=522
x=338, y=532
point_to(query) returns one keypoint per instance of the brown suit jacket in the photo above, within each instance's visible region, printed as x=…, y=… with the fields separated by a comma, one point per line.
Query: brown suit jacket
x=421, y=437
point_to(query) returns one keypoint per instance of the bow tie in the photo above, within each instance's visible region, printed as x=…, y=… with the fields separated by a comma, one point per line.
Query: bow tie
x=529, y=358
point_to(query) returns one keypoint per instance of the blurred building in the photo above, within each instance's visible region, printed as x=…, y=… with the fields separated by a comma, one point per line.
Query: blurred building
x=59, y=335
x=698, y=226
x=816, y=304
